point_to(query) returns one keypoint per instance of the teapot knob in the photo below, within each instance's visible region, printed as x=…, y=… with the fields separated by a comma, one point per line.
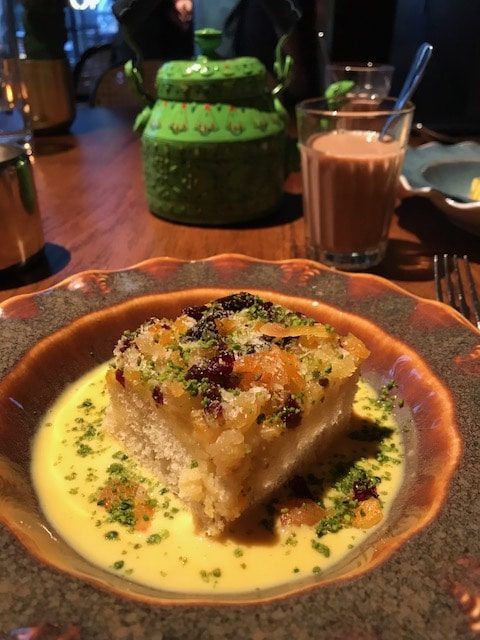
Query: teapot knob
x=208, y=40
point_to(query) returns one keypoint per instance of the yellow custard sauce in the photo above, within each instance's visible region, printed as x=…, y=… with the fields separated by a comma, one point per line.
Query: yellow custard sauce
x=75, y=464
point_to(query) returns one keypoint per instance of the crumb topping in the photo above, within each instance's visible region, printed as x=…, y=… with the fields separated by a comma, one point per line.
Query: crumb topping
x=240, y=361
x=244, y=360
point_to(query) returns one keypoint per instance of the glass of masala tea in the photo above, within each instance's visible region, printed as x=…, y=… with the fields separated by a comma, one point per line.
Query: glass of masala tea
x=352, y=153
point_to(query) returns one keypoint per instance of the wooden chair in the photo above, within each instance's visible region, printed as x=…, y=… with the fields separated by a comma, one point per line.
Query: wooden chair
x=114, y=90
x=92, y=64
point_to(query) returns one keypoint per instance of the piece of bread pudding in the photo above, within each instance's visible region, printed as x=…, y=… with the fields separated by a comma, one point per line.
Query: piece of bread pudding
x=227, y=401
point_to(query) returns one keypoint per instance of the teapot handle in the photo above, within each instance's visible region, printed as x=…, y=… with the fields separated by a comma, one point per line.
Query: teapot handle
x=282, y=67
x=284, y=15
x=131, y=14
x=135, y=80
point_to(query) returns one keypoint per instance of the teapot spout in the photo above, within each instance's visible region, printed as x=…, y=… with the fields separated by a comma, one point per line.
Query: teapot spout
x=141, y=120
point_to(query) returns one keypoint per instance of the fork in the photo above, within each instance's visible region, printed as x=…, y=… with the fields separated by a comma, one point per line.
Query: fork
x=454, y=285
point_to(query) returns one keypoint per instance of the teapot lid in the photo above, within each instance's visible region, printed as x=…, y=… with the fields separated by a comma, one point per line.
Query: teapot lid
x=209, y=79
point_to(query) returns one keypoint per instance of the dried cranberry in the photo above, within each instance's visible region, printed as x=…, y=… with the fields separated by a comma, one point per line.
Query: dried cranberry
x=196, y=372
x=222, y=365
x=124, y=344
x=195, y=333
x=237, y=302
x=269, y=310
x=217, y=370
x=213, y=392
x=213, y=406
x=214, y=409
x=290, y=413
x=119, y=377
x=205, y=329
x=157, y=395
x=195, y=312
x=363, y=491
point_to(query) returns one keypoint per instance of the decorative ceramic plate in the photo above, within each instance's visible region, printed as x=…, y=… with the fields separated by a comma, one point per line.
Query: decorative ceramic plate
x=417, y=576
x=443, y=173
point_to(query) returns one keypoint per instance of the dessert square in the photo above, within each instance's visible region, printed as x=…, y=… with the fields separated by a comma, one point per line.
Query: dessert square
x=229, y=400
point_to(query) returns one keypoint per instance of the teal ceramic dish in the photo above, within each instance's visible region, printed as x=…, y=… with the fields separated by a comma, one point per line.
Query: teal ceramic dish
x=443, y=173
x=453, y=178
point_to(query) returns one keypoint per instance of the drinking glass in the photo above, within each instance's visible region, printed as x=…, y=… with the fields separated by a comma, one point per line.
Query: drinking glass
x=371, y=81
x=22, y=235
x=14, y=108
x=351, y=156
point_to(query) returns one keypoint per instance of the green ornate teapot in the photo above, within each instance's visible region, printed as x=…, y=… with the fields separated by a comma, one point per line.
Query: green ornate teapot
x=213, y=141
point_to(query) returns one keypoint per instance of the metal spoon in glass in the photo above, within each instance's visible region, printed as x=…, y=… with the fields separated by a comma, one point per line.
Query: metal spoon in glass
x=412, y=81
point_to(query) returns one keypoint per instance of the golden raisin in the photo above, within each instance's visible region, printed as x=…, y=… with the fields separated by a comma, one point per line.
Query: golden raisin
x=298, y=511
x=367, y=514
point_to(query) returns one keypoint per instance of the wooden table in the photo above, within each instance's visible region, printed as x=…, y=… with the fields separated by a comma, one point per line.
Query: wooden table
x=95, y=216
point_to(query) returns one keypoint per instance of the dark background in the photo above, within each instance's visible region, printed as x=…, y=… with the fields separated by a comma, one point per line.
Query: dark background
x=448, y=98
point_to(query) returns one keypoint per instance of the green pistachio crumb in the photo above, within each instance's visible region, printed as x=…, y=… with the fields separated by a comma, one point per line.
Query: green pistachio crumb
x=321, y=548
x=120, y=455
x=84, y=450
x=112, y=535
x=292, y=540
x=156, y=538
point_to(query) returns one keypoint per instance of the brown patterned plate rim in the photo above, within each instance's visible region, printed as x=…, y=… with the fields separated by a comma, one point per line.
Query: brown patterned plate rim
x=62, y=284
x=380, y=286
